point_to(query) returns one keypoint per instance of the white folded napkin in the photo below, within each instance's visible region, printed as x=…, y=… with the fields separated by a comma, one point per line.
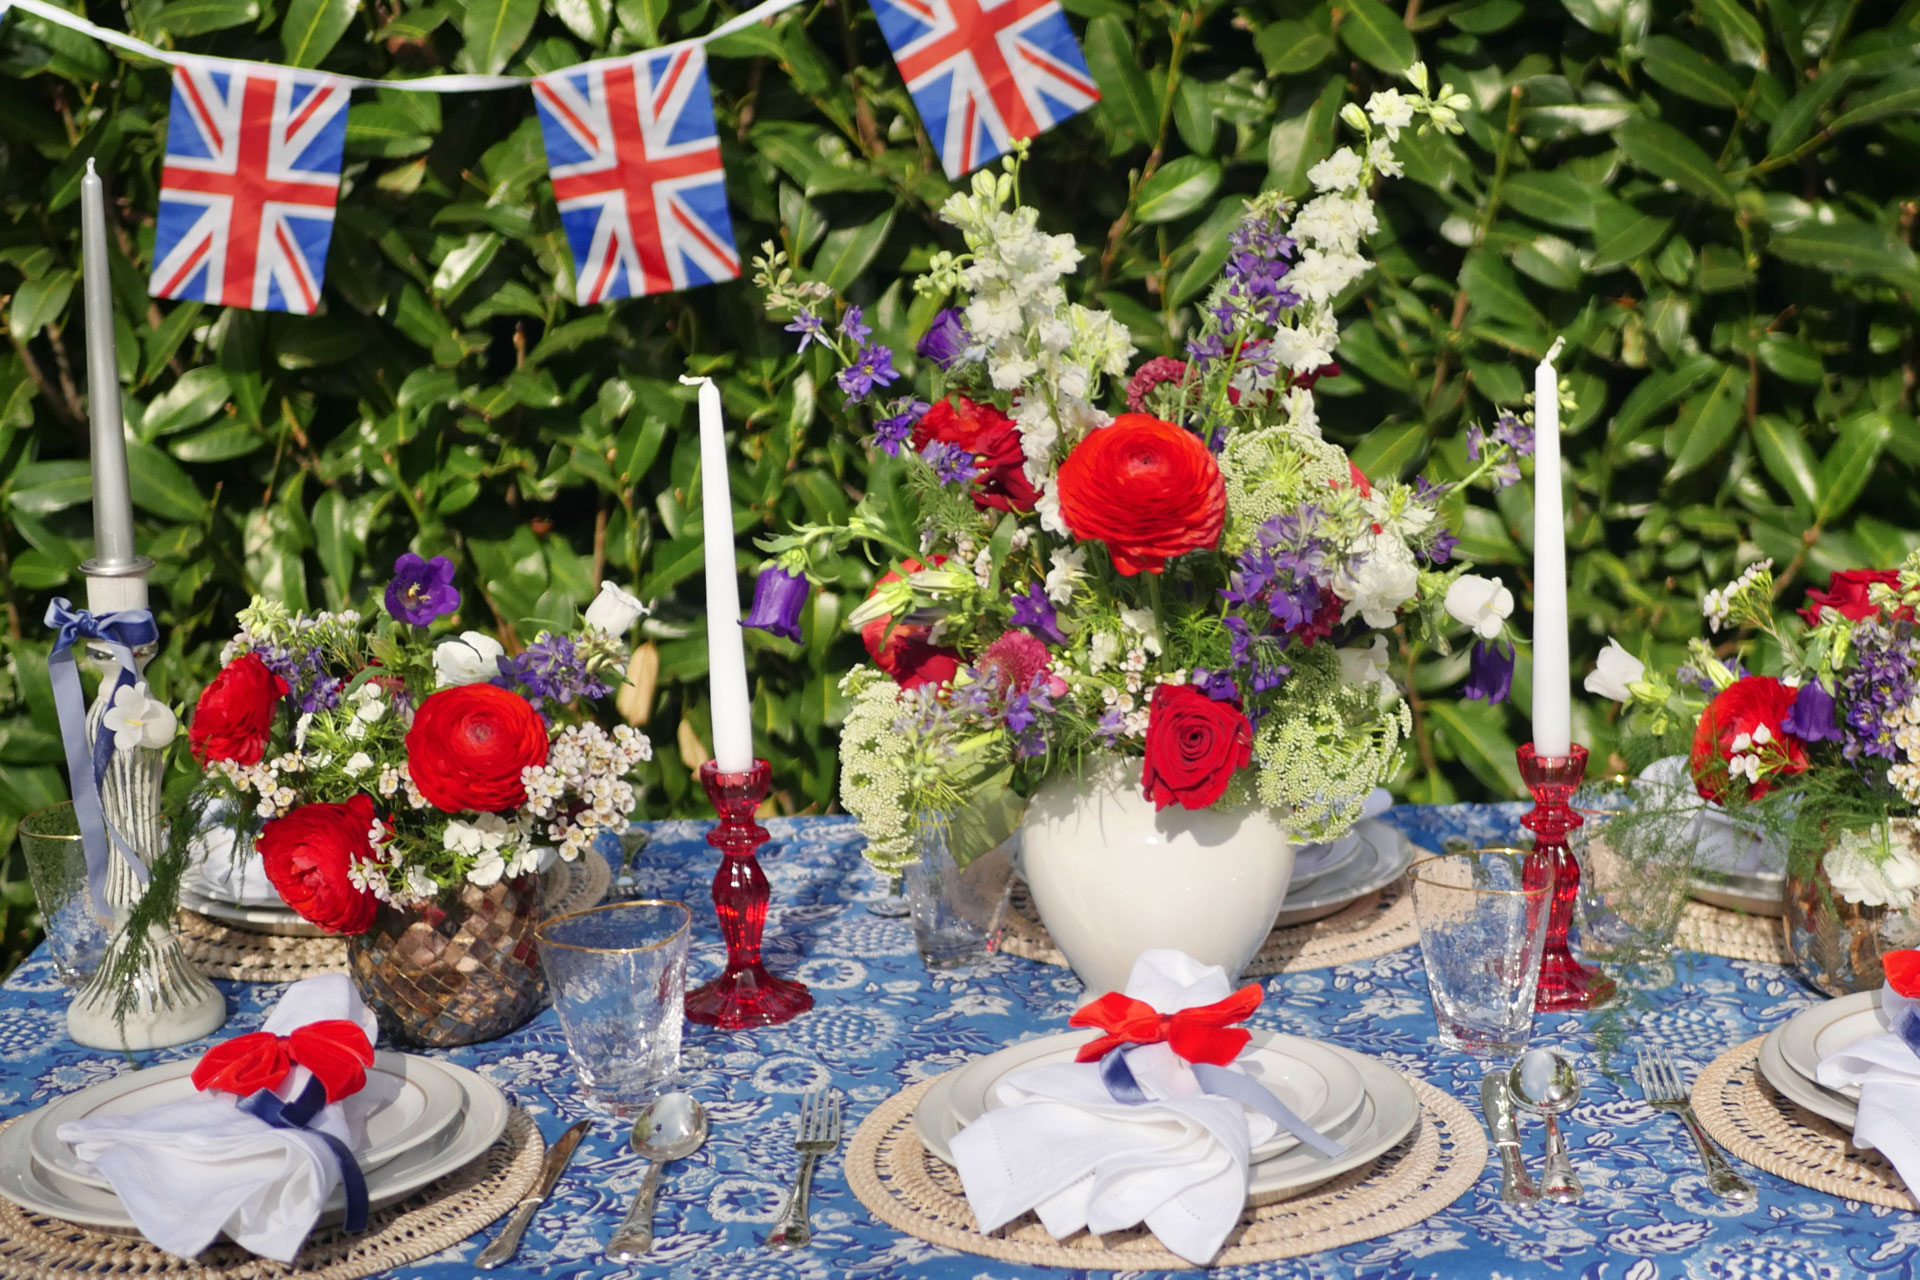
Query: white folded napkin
x=1887, y=1070
x=188, y=1170
x=210, y=859
x=1060, y=1145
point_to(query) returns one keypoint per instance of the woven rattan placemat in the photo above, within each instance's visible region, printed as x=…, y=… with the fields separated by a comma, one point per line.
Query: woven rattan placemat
x=1747, y=1116
x=910, y=1190
x=222, y=950
x=1376, y=925
x=1733, y=934
x=433, y=1218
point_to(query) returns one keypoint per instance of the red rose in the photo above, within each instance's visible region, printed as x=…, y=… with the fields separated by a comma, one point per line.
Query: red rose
x=1846, y=594
x=1147, y=489
x=235, y=714
x=1903, y=972
x=1727, y=730
x=994, y=442
x=1193, y=746
x=307, y=854
x=468, y=745
x=905, y=653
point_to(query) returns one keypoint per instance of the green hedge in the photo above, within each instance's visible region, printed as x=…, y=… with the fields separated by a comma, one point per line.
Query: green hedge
x=1713, y=201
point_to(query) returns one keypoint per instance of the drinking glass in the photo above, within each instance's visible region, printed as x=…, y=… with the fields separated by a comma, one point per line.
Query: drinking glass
x=958, y=912
x=57, y=864
x=618, y=974
x=1481, y=934
x=1636, y=846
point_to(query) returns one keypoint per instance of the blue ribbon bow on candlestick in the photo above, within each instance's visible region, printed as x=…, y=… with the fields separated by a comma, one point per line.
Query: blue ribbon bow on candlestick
x=298, y=1113
x=121, y=632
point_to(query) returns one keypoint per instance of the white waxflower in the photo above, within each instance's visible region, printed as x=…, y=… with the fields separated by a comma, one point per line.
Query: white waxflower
x=1391, y=110
x=613, y=611
x=1337, y=172
x=356, y=764
x=1483, y=605
x=1615, y=670
x=138, y=720
x=470, y=659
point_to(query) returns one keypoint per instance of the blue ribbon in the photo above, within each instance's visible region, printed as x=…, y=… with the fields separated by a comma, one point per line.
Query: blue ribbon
x=1907, y=1027
x=122, y=633
x=1118, y=1077
x=299, y=1113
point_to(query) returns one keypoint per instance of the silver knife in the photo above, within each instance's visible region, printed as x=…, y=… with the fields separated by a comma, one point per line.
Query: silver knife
x=509, y=1240
x=1496, y=1102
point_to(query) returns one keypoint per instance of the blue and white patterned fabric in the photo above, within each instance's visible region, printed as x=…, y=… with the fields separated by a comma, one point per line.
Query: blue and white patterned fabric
x=882, y=1022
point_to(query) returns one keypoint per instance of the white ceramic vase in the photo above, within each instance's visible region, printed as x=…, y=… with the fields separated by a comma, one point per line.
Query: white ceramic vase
x=1112, y=877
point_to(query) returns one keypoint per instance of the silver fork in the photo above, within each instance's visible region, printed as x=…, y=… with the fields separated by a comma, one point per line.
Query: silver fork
x=819, y=1133
x=1660, y=1082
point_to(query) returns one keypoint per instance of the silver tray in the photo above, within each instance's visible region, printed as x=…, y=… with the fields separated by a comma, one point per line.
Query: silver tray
x=1751, y=892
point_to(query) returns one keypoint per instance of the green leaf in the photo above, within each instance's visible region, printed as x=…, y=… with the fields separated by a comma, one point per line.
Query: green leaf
x=313, y=27
x=1688, y=72
x=197, y=17
x=1791, y=358
x=1493, y=290
x=1665, y=152
x=1177, y=188
x=1850, y=463
x=1843, y=246
x=1376, y=35
x=1658, y=392
x=1739, y=31
x=1474, y=732
x=494, y=31
x=1553, y=196
x=160, y=487
x=381, y=129
x=1795, y=123
x=1126, y=96
x=1289, y=48
x=1193, y=115
x=1897, y=95
x=1784, y=452
x=1623, y=234
x=42, y=488
x=217, y=443
x=847, y=252
x=1707, y=421
x=197, y=395
x=38, y=303
x=1299, y=142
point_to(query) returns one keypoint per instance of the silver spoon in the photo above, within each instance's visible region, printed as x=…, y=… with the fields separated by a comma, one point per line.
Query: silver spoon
x=671, y=1128
x=1546, y=1084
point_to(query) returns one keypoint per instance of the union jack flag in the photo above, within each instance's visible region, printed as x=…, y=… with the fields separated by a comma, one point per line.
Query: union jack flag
x=635, y=163
x=248, y=190
x=984, y=73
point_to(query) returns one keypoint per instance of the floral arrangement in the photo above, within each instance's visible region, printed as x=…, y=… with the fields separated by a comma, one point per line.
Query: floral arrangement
x=387, y=760
x=1823, y=753
x=1201, y=583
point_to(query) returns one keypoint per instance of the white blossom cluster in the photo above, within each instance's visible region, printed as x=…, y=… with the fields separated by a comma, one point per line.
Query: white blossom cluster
x=589, y=765
x=267, y=780
x=1903, y=723
x=1754, y=587
x=267, y=623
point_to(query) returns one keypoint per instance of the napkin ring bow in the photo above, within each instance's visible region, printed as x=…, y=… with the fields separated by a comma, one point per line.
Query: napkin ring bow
x=336, y=1052
x=1204, y=1037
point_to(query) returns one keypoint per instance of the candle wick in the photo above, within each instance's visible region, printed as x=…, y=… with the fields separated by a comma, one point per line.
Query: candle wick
x=688, y=380
x=1553, y=352
x=90, y=172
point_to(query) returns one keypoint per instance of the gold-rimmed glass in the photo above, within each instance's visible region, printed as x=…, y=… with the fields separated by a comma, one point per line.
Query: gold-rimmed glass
x=1636, y=845
x=1481, y=934
x=77, y=935
x=618, y=974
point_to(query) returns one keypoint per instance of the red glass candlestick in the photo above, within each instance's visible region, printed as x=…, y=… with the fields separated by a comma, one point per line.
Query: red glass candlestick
x=746, y=995
x=1565, y=983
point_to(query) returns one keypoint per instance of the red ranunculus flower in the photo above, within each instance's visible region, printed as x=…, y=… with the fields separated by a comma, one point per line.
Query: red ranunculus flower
x=307, y=853
x=1193, y=746
x=235, y=714
x=1746, y=705
x=1846, y=594
x=994, y=441
x=468, y=745
x=1148, y=489
x=905, y=652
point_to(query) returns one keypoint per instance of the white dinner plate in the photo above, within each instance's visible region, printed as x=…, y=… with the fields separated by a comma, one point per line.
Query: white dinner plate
x=1317, y=1084
x=280, y=921
x=1316, y=861
x=1751, y=893
x=414, y=1099
x=1801, y=1089
x=483, y=1119
x=1384, y=856
x=1387, y=1112
x=1828, y=1027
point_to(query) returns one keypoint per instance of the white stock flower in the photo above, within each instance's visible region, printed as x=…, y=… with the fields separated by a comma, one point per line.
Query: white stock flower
x=469, y=659
x=1868, y=869
x=613, y=611
x=1380, y=156
x=1320, y=274
x=1069, y=567
x=1386, y=578
x=1482, y=605
x=1104, y=651
x=1143, y=624
x=1337, y=172
x=1048, y=509
x=1615, y=670
x=1364, y=666
x=1391, y=110
x=137, y=720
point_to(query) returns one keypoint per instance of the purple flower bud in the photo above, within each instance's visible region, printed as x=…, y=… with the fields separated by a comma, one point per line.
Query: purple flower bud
x=1032, y=610
x=778, y=598
x=421, y=590
x=1218, y=685
x=945, y=340
x=1490, y=675
x=1811, y=718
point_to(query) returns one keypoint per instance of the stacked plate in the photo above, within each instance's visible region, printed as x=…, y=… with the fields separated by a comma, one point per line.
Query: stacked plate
x=1360, y=1103
x=1791, y=1055
x=1329, y=878
x=429, y=1119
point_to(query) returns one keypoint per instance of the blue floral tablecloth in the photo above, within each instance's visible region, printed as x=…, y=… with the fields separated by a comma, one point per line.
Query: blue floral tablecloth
x=882, y=1021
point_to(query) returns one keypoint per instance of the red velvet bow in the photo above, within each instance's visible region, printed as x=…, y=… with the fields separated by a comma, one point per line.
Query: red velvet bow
x=336, y=1051
x=1903, y=972
x=1202, y=1034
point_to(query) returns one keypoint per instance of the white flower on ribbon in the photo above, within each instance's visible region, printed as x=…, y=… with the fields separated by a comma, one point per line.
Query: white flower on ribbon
x=1482, y=605
x=613, y=611
x=1614, y=672
x=137, y=720
x=1867, y=868
x=470, y=659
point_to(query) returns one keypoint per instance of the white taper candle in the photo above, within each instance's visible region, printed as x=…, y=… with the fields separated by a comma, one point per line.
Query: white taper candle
x=1552, y=681
x=112, y=490
x=726, y=649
